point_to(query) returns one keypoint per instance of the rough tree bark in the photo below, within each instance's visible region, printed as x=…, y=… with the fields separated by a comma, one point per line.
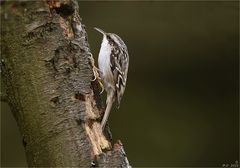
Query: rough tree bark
x=48, y=70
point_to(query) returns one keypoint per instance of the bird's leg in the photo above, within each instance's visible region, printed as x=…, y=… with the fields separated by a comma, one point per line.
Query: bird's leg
x=95, y=73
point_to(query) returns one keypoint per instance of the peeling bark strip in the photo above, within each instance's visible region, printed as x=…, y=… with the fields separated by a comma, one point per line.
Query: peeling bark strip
x=52, y=85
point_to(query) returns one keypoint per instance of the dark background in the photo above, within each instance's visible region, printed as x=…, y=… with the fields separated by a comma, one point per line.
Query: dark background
x=180, y=107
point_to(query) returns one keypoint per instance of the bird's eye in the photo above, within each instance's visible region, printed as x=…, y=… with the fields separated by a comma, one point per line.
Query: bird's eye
x=116, y=51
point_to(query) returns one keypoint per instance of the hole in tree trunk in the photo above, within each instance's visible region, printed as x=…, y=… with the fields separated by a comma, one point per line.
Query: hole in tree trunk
x=80, y=96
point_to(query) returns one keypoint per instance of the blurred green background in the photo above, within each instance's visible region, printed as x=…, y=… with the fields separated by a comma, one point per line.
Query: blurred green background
x=180, y=106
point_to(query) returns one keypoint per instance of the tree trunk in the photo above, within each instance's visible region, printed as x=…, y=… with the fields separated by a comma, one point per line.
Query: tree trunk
x=49, y=73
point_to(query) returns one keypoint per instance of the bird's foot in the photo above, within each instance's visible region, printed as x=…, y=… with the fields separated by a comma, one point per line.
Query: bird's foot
x=95, y=73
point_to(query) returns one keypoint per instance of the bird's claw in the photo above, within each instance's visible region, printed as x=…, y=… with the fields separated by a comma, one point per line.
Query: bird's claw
x=102, y=87
x=96, y=74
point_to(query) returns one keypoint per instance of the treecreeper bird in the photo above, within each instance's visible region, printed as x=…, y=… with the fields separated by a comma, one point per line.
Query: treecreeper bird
x=113, y=61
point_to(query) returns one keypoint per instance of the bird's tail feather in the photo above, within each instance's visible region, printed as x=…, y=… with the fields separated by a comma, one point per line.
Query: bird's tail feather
x=107, y=111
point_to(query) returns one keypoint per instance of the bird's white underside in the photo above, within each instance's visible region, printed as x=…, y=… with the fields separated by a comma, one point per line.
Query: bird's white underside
x=104, y=64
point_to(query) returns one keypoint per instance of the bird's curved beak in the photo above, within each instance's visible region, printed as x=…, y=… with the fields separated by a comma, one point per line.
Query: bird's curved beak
x=100, y=30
